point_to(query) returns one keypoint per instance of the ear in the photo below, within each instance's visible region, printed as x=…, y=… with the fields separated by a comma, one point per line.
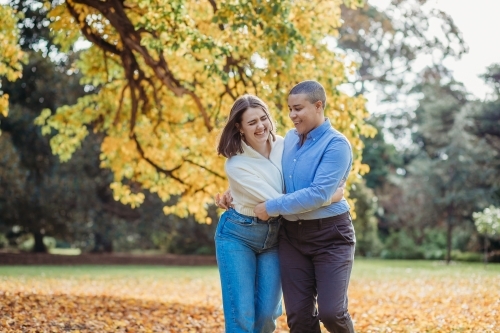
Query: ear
x=237, y=126
x=319, y=105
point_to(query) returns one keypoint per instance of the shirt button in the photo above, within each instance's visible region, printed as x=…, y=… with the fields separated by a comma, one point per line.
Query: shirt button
x=290, y=176
x=294, y=160
x=300, y=222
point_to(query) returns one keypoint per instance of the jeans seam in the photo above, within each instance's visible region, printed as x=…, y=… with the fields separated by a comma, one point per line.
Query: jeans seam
x=230, y=291
x=346, y=284
x=222, y=222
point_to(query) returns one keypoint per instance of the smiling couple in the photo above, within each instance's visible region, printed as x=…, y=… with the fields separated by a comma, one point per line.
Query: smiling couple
x=288, y=226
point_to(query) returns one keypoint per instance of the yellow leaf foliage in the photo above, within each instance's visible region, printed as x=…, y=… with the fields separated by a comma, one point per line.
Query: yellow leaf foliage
x=167, y=72
x=11, y=56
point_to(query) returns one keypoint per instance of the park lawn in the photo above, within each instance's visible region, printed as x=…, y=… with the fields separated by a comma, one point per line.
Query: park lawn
x=384, y=296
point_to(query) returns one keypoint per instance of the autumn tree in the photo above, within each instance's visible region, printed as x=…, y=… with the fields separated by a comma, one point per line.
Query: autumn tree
x=72, y=201
x=164, y=74
x=11, y=57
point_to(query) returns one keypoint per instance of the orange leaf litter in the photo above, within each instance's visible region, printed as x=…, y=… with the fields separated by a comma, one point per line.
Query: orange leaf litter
x=86, y=303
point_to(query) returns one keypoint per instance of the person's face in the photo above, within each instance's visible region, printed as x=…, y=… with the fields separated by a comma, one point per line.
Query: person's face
x=305, y=115
x=255, y=126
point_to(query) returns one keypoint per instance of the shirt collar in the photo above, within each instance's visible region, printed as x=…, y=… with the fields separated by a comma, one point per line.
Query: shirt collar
x=248, y=150
x=318, y=131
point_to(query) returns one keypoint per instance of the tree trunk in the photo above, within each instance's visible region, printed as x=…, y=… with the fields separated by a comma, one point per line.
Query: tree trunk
x=486, y=250
x=102, y=244
x=39, y=244
x=449, y=230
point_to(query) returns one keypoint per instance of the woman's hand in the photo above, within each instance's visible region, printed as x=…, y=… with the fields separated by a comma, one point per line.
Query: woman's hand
x=225, y=200
x=338, y=195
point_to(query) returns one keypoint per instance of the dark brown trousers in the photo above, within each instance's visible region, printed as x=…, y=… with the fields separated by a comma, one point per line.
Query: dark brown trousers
x=316, y=258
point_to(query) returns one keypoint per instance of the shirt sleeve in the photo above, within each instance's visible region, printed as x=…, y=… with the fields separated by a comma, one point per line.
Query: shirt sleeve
x=333, y=167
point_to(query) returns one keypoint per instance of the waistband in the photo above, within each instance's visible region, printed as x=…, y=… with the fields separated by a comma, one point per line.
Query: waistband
x=242, y=218
x=244, y=210
x=317, y=223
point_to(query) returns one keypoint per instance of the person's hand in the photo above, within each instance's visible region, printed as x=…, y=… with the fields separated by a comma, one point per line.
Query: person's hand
x=338, y=195
x=260, y=211
x=225, y=200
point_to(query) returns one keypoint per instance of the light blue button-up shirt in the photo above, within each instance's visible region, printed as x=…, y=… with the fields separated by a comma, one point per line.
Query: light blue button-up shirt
x=312, y=173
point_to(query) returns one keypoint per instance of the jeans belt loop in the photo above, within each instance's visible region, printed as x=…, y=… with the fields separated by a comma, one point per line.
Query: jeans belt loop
x=320, y=224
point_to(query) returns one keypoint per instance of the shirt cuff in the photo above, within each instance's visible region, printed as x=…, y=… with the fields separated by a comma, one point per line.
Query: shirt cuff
x=272, y=207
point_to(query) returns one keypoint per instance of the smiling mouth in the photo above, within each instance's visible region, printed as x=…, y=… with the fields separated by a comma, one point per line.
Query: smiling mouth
x=261, y=133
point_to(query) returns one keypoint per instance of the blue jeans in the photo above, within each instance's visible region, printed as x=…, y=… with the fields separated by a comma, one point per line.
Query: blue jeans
x=247, y=256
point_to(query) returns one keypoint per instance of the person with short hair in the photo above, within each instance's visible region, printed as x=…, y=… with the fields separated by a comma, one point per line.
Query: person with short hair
x=316, y=247
x=246, y=246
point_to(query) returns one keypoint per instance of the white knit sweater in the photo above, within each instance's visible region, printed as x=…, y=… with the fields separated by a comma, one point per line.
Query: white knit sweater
x=254, y=178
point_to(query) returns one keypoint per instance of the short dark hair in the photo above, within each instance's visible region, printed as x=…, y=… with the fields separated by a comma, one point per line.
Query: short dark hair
x=313, y=89
x=230, y=139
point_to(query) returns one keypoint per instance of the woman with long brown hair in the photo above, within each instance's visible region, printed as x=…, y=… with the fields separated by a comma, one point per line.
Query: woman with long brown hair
x=246, y=247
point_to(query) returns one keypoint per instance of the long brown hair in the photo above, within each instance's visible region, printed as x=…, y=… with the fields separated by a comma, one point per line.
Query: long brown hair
x=230, y=139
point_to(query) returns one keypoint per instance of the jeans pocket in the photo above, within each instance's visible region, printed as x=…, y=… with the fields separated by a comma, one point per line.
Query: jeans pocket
x=243, y=222
x=234, y=217
x=220, y=225
x=238, y=229
x=346, y=231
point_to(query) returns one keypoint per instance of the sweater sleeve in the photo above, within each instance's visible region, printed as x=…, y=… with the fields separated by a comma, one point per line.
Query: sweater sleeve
x=255, y=188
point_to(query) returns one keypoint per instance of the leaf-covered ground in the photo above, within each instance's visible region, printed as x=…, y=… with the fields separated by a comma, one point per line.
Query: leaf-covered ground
x=384, y=296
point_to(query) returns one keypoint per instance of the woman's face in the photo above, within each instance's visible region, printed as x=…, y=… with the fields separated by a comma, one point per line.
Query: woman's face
x=255, y=126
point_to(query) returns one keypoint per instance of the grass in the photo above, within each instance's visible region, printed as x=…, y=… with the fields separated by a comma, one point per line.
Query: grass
x=374, y=269
x=108, y=271
x=363, y=269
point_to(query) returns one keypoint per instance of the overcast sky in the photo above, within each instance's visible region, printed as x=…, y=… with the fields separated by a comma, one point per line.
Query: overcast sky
x=479, y=22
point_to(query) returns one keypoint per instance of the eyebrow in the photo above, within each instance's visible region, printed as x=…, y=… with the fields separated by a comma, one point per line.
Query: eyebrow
x=254, y=119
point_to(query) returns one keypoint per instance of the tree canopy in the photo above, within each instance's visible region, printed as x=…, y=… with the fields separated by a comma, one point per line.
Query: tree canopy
x=162, y=77
x=11, y=57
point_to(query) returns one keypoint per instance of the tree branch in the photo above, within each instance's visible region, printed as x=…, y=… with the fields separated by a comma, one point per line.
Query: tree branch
x=158, y=168
x=204, y=168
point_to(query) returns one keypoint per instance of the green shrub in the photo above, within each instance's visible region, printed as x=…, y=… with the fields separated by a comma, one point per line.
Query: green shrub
x=50, y=242
x=4, y=242
x=458, y=255
x=434, y=244
x=399, y=245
